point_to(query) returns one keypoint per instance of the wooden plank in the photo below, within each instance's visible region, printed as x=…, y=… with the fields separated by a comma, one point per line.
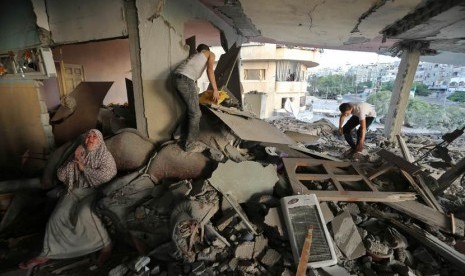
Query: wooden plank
x=365, y=179
x=344, y=177
x=314, y=153
x=399, y=162
x=333, y=178
x=422, y=183
x=428, y=215
x=361, y=196
x=417, y=188
x=384, y=169
x=437, y=246
x=404, y=149
x=447, y=178
x=421, y=187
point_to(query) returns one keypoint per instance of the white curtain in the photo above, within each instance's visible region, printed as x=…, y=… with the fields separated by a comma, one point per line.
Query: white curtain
x=288, y=71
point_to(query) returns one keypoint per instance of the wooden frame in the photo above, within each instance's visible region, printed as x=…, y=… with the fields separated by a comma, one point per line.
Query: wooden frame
x=332, y=172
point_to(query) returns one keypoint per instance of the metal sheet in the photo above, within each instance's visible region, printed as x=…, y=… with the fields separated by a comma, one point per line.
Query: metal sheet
x=253, y=129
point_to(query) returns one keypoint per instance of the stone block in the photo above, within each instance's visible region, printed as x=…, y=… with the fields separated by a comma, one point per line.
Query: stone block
x=347, y=237
x=260, y=243
x=244, y=250
x=271, y=258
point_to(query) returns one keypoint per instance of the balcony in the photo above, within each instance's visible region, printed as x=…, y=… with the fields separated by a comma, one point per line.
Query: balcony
x=291, y=86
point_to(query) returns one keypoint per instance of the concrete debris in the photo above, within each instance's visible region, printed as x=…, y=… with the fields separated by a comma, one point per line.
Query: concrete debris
x=244, y=250
x=271, y=258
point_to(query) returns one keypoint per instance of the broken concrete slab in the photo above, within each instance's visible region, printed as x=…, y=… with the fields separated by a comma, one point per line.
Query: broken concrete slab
x=250, y=129
x=347, y=237
x=130, y=149
x=244, y=179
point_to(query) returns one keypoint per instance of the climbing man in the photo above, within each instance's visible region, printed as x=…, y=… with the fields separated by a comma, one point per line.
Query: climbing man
x=185, y=77
x=363, y=114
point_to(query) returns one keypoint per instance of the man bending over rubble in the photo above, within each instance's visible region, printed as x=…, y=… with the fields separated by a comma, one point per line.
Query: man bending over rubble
x=363, y=114
x=185, y=77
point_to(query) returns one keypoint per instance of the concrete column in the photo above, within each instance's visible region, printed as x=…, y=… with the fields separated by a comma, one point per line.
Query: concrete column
x=130, y=12
x=159, y=49
x=399, y=98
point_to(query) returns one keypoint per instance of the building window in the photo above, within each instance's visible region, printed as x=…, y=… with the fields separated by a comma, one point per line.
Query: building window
x=283, y=102
x=254, y=74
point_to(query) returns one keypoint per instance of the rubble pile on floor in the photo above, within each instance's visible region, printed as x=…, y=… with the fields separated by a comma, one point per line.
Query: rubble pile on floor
x=219, y=212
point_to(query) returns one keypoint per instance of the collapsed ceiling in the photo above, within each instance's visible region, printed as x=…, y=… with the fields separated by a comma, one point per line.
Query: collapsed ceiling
x=363, y=25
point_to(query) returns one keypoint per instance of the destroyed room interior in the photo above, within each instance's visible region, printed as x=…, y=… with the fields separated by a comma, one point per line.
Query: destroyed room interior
x=263, y=196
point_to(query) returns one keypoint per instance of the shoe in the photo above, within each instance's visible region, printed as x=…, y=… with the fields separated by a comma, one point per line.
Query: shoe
x=32, y=263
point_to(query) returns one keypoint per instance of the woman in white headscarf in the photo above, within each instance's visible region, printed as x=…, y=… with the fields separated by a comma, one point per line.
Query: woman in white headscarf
x=73, y=229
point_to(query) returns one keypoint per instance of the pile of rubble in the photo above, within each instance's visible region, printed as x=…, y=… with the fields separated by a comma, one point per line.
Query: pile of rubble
x=218, y=212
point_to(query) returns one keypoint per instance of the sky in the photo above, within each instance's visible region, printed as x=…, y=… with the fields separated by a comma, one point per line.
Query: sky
x=337, y=58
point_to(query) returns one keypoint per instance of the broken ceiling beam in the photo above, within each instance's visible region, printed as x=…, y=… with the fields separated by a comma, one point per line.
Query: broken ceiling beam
x=253, y=129
x=429, y=216
x=330, y=170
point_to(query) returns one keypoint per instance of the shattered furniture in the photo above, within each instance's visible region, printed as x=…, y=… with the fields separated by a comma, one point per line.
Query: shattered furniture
x=339, y=174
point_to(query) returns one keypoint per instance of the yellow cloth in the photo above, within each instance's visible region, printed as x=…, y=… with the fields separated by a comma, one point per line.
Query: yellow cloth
x=207, y=97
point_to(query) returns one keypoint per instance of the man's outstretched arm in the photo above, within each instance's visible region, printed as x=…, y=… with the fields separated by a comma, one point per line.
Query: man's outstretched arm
x=211, y=76
x=361, y=139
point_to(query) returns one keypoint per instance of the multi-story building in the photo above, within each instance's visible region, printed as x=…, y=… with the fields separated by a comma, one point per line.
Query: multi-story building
x=273, y=74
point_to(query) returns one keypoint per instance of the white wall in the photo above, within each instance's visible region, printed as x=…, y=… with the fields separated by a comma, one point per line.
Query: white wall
x=86, y=20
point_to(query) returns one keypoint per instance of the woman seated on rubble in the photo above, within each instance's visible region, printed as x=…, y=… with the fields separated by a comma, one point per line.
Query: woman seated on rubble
x=73, y=230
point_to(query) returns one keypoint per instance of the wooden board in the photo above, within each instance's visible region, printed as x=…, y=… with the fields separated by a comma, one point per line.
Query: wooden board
x=89, y=96
x=428, y=215
x=399, y=162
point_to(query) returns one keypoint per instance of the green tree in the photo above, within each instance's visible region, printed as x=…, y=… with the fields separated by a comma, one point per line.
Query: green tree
x=424, y=115
x=389, y=86
x=457, y=96
x=333, y=85
x=455, y=116
x=421, y=89
x=380, y=100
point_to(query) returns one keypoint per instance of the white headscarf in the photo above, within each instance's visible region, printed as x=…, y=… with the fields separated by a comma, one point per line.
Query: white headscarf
x=99, y=167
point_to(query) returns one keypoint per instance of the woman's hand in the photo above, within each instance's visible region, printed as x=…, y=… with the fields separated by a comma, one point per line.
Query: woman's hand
x=79, y=157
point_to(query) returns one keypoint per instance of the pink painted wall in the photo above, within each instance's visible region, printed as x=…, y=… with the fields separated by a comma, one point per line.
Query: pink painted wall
x=102, y=61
